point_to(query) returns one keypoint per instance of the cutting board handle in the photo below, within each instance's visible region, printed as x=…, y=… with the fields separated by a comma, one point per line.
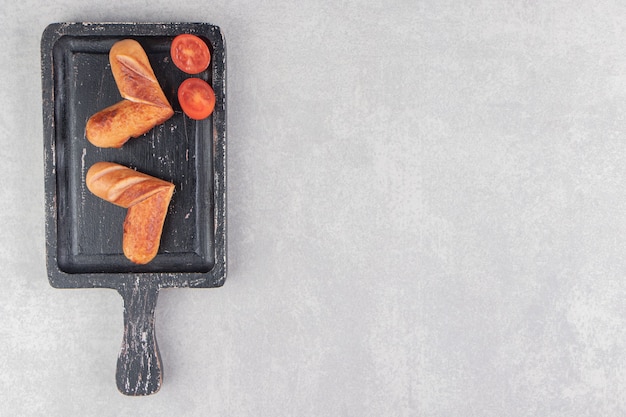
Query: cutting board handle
x=139, y=370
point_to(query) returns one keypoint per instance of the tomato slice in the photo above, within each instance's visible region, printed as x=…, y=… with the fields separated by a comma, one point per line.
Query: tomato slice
x=190, y=53
x=196, y=98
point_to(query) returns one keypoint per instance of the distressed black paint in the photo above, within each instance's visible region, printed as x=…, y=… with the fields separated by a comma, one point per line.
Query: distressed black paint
x=139, y=370
x=83, y=233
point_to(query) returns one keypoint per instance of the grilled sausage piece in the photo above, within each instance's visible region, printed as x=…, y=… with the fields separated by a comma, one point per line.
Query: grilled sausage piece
x=147, y=199
x=143, y=106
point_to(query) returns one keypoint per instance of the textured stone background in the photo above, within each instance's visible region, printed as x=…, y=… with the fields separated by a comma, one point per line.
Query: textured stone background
x=427, y=217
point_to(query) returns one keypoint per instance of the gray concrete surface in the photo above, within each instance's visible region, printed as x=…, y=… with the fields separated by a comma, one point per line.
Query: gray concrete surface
x=427, y=217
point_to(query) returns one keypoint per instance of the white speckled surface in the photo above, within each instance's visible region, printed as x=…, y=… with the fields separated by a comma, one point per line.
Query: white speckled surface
x=427, y=217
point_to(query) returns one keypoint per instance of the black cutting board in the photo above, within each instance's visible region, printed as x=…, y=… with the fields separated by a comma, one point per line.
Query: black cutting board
x=83, y=232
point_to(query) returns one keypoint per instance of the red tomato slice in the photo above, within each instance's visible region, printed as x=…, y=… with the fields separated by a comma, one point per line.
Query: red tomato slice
x=196, y=98
x=190, y=53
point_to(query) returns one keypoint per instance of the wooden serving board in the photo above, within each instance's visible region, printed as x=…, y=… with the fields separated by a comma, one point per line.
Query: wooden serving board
x=83, y=232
